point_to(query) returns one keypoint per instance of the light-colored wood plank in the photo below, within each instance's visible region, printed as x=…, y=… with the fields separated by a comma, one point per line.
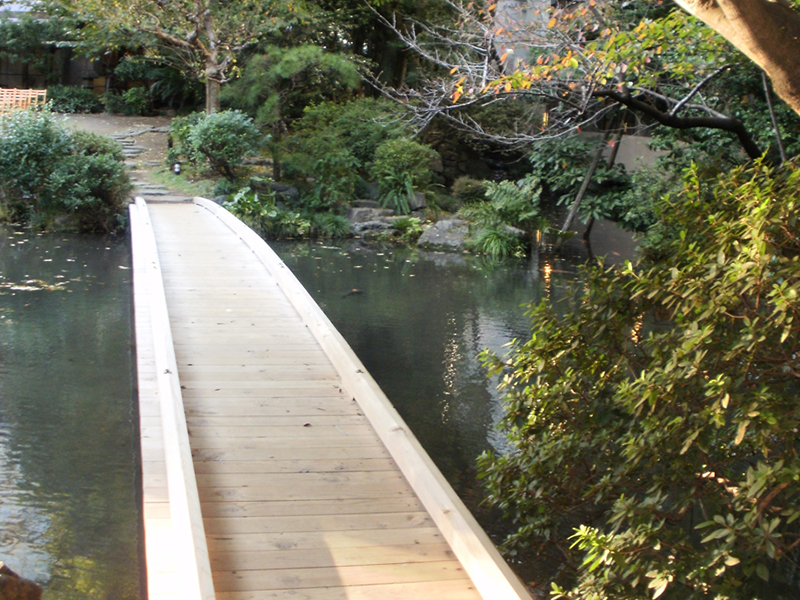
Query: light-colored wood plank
x=430, y=590
x=315, y=558
x=232, y=525
x=315, y=465
x=331, y=540
x=226, y=581
x=359, y=506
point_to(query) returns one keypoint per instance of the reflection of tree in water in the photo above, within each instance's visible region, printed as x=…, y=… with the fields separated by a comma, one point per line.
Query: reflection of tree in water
x=68, y=413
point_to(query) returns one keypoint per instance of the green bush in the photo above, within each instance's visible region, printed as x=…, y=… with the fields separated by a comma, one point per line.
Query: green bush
x=329, y=225
x=360, y=126
x=468, y=191
x=336, y=176
x=47, y=172
x=30, y=146
x=223, y=139
x=94, y=188
x=72, y=99
x=405, y=156
x=653, y=426
x=498, y=243
x=133, y=102
x=86, y=142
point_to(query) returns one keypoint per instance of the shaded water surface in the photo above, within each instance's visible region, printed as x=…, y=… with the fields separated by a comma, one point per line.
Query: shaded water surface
x=69, y=515
x=418, y=320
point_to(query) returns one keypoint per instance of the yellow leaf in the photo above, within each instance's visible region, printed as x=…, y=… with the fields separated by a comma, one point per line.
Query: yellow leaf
x=552, y=22
x=453, y=70
x=741, y=431
x=456, y=96
x=460, y=81
x=499, y=31
x=508, y=86
x=492, y=7
x=503, y=58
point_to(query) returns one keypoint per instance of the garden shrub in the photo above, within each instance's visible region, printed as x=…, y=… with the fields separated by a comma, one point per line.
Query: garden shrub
x=405, y=156
x=30, y=146
x=360, y=126
x=72, y=99
x=653, y=427
x=468, y=190
x=336, y=176
x=329, y=225
x=86, y=142
x=220, y=139
x=401, y=168
x=46, y=171
x=133, y=102
x=94, y=188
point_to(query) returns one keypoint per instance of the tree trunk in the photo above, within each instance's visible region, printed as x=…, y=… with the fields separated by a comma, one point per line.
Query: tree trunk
x=767, y=32
x=584, y=186
x=612, y=158
x=212, y=95
x=778, y=137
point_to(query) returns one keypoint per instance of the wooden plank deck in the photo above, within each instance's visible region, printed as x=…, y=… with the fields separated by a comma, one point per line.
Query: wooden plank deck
x=300, y=496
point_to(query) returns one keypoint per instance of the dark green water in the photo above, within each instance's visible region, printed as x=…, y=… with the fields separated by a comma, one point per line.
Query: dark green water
x=69, y=515
x=418, y=321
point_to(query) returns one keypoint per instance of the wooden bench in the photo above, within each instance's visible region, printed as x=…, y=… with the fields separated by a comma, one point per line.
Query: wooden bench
x=14, y=99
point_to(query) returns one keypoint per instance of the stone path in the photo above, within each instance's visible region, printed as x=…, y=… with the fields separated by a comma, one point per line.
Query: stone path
x=140, y=169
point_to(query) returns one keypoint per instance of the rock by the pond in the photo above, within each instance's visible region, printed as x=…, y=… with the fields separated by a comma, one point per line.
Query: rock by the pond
x=365, y=204
x=14, y=587
x=448, y=234
x=368, y=227
x=366, y=214
x=417, y=202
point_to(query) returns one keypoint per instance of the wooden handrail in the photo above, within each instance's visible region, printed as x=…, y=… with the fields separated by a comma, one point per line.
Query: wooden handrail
x=194, y=568
x=490, y=573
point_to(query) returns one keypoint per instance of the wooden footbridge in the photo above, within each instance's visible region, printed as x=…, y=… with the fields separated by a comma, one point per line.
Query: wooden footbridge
x=273, y=466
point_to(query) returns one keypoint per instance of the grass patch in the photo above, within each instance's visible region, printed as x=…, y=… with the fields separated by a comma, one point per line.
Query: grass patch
x=183, y=183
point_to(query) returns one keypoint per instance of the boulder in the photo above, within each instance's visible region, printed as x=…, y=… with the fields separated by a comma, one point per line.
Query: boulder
x=448, y=234
x=365, y=204
x=14, y=587
x=417, y=202
x=369, y=227
x=366, y=214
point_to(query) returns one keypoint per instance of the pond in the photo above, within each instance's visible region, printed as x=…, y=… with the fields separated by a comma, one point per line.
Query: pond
x=418, y=320
x=68, y=422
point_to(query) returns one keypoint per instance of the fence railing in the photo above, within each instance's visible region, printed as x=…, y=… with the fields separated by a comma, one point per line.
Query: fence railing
x=14, y=99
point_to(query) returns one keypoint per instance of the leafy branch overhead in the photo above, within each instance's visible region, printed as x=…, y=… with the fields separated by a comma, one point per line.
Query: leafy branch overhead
x=576, y=63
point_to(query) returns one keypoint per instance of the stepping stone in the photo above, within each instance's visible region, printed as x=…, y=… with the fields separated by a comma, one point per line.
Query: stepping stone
x=139, y=148
x=154, y=192
x=131, y=164
x=152, y=163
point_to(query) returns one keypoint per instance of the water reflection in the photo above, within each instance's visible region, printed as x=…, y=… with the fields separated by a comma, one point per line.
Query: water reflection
x=68, y=444
x=418, y=321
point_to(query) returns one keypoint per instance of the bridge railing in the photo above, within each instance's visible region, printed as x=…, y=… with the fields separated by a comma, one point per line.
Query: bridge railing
x=188, y=533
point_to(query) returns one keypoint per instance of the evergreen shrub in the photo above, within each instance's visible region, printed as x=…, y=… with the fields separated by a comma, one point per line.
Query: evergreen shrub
x=468, y=190
x=221, y=140
x=47, y=172
x=653, y=428
x=72, y=99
